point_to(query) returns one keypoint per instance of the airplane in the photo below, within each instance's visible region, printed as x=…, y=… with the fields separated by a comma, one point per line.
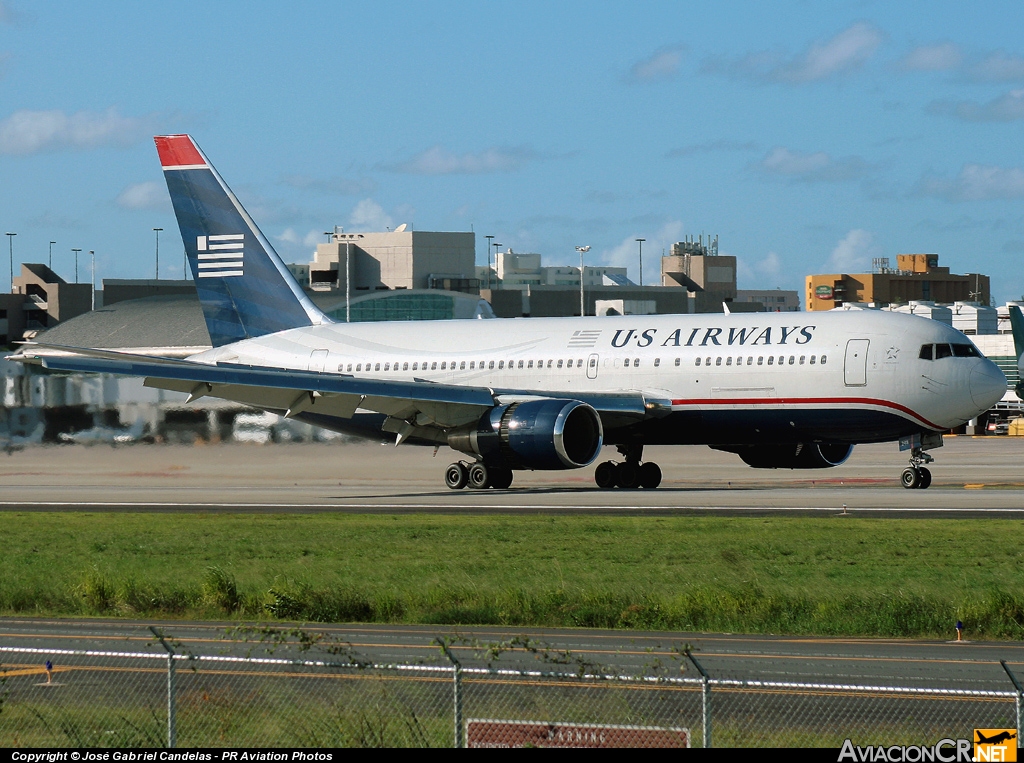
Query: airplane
x=102, y=434
x=779, y=390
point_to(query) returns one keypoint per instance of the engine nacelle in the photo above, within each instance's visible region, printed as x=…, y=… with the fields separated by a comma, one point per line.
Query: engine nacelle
x=534, y=434
x=811, y=455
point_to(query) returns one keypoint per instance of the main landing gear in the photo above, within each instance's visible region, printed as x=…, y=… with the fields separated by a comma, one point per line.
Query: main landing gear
x=477, y=475
x=917, y=476
x=629, y=474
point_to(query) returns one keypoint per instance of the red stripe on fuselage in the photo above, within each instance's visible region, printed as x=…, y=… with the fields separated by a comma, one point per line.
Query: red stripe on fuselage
x=809, y=401
x=177, y=150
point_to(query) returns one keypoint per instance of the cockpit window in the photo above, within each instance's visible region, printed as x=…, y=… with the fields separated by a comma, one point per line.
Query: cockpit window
x=965, y=350
x=927, y=351
x=943, y=351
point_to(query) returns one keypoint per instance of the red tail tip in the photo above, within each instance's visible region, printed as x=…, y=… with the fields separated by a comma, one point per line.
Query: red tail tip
x=177, y=150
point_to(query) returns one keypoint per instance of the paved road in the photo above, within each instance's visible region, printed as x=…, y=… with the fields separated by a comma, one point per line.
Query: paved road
x=972, y=476
x=888, y=662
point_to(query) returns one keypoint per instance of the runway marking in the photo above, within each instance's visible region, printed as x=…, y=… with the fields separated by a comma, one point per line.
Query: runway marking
x=496, y=508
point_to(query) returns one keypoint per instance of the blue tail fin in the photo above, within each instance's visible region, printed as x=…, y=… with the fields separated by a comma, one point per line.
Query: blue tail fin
x=243, y=285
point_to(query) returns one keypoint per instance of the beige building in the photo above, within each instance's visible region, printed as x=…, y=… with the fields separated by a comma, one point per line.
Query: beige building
x=699, y=268
x=916, y=278
x=41, y=299
x=398, y=259
x=515, y=270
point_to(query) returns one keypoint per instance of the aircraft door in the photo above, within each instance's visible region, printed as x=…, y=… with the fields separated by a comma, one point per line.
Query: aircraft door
x=317, y=361
x=856, y=367
x=592, y=364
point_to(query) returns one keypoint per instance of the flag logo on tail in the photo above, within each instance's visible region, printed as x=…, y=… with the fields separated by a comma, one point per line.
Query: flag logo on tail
x=221, y=256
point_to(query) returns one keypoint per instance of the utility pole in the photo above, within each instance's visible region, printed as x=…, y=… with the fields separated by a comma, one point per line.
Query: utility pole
x=93, y=255
x=581, y=250
x=10, y=249
x=50, y=265
x=76, y=251
x=157, y=231
x=496, y=248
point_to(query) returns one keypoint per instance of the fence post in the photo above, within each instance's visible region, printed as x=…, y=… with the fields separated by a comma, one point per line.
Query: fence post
x=1020, y=695
x=456, y=691
x=705, y=703
x=171, y=720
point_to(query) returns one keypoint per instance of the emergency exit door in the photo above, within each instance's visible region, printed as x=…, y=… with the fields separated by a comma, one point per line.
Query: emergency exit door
x=857, y=362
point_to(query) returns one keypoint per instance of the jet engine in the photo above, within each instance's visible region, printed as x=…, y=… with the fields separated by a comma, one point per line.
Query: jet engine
x=811, y=455
x=534, y=434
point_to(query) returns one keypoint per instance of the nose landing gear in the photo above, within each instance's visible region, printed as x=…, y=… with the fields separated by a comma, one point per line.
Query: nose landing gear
x=917, y=476
x=629, y=474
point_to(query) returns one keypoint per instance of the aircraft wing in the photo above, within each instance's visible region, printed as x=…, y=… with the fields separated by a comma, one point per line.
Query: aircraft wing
x=414, y=407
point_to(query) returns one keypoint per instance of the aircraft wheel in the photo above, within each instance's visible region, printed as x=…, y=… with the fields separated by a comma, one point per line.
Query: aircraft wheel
x=456, y=476
x=911, y=478
x=604, y=475
x=627, y=475
x=650, y=475
x=479, y=477
x=926, y=479
x=501, y=478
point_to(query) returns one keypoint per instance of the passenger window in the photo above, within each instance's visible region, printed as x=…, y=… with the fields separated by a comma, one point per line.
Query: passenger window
x=760, y=360
x=501, y=364
x=823, y=359
x=750, y=360
x=433, y=366
x=707, y=361
x=636, y=362
x=699, y=361
x=792, y=359
x=387, y=366
x=415, y=365
x=490, y=365
x=462, y=366
x=657, y=362
x=349, y=367
x=718, y=361
x=568, y=363
x=678, y=360
x=472, y=365
x=771, y=359
x=559, y=362
x=593, y=362
x=359, y=366
x=943, y=351
x=802, y=359
x=812, y=359
x=529, y=364
x=443, y=363
x=728, y=361
x=376, y=367
x=405, y=366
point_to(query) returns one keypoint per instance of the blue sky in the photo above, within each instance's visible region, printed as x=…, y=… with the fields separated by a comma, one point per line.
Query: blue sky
x=809, y=136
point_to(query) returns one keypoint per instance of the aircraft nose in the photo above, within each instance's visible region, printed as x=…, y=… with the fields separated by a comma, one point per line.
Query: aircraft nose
x=988, y=385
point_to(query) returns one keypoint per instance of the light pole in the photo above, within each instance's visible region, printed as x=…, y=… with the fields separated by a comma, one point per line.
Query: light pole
x=488, y=260
x=51, y=254
x=581, y=250
x=157, y=232
x=496, y=248
x=93, y=255
x=76, y=251
x=640, y=241
x=10, y=249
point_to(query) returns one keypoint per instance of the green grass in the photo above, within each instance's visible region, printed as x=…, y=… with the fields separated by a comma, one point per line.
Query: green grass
x=831, y=576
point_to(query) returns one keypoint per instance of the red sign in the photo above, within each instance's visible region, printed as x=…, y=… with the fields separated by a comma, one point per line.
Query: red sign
x=490, y=733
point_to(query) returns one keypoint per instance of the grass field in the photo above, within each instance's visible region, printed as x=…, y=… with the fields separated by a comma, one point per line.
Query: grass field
x=830, y=576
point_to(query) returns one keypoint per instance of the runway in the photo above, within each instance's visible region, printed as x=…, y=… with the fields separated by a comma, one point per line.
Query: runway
x=972, y=477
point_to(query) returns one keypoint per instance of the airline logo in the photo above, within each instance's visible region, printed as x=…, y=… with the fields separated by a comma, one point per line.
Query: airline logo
x=584, y=339
x=221, y=256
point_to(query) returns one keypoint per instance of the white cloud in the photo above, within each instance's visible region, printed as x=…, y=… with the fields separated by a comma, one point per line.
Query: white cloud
x=844, y=52
x=854, y=252
x=368, y=215
x=311, y=239
x=30, y=132
x=942, y=56
x=147, y=195
x=710, y=147
x=998, y=67
x=975, y=182
x=662, y=65
x=1006, y=108
x=339, y=185
x=759, y=273
x=627, y=254
x=816, y=166
x=438, y=160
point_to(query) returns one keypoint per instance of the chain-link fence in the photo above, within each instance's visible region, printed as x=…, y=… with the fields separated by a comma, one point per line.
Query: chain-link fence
x=53, y=698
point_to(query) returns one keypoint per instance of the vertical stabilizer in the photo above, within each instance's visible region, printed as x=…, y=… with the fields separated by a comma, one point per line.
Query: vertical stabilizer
x=1017, y=325
x=243, y=285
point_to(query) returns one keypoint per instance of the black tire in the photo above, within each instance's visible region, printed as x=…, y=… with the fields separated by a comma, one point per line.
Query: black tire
x=456, y=476
x=650, y=475
x=604, y=475
x=501, y=479
x=910, y=478
x=479, y=476
x=926, y=479
x=627, y=476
